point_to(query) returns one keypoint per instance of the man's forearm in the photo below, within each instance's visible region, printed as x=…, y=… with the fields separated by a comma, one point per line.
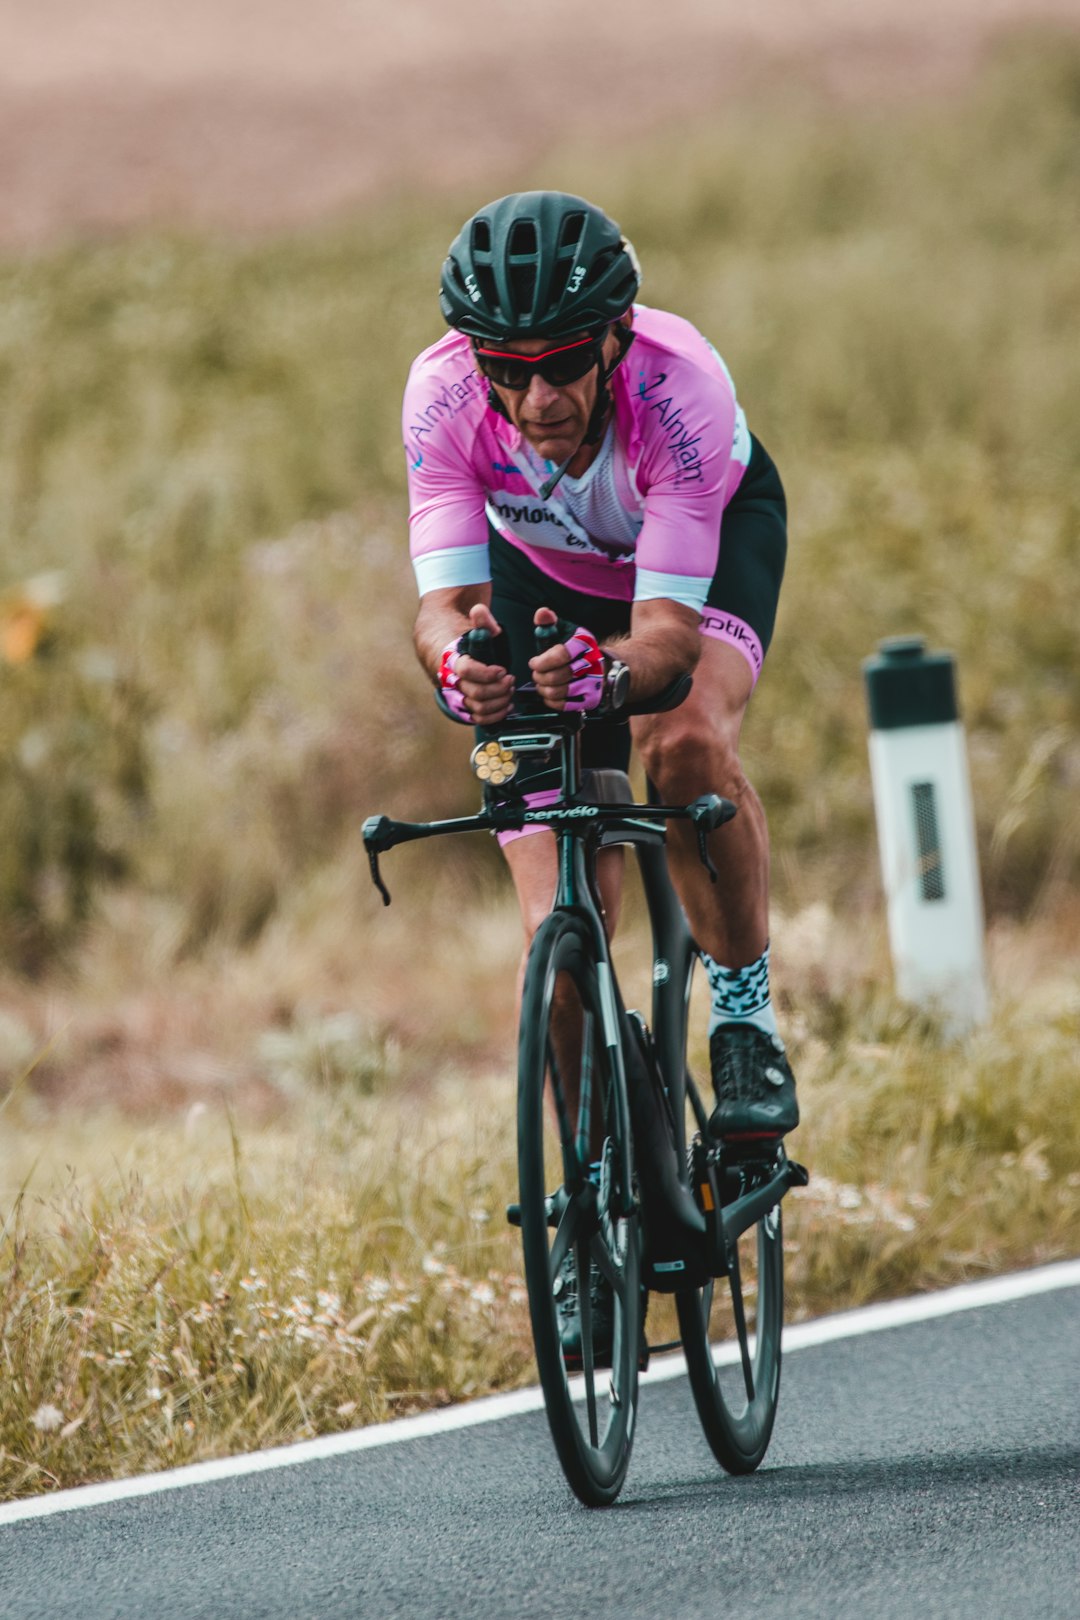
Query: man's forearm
x=443, y=616
x=664, y=643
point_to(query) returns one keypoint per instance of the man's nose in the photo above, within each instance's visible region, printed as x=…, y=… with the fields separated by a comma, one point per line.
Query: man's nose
x=540, y=395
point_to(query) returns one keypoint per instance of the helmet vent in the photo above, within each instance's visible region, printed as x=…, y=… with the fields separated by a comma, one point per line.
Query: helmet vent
x=573, y=227
x=485, y=280
x=481, y=236
x=601, y=265
x=458, y=274
x=523, y=239
x=523, y=282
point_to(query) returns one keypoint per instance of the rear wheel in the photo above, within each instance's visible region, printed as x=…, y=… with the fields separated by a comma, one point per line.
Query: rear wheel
x=731, y=1337
x=579, y=1224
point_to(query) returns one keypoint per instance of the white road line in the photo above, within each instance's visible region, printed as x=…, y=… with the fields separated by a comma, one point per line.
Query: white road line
x=802, y=1336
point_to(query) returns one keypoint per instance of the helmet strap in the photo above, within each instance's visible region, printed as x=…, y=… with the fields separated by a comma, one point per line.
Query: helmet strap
x=496, y=403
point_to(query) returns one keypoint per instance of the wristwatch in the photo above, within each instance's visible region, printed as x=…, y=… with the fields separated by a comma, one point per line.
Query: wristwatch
x=616, y=684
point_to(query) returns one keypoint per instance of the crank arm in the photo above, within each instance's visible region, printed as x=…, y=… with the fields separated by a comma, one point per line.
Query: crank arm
x=746, y=1211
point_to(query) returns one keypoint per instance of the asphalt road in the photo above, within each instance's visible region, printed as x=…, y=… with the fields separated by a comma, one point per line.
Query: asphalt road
x=929, y=1470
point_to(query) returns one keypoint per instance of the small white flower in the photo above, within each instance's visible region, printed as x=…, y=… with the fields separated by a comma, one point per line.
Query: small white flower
x=483, y=1294
x=47, y=1418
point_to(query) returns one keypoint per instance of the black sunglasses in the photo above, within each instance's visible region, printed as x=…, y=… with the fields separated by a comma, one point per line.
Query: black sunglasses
x=557, y=366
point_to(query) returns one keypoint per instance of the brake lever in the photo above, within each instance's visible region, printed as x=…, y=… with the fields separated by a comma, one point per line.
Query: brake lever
x=376, y=877
x=374, y=831
x=708, y=813
x=703, y=852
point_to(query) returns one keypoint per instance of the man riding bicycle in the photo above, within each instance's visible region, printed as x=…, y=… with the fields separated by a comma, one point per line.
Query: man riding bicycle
x=577, y=458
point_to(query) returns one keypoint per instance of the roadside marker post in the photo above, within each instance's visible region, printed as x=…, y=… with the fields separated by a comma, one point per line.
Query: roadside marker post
x=926, y=832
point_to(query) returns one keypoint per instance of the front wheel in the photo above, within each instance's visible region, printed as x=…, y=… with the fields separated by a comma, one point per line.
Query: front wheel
x=736, y=1385
x=579, y=1223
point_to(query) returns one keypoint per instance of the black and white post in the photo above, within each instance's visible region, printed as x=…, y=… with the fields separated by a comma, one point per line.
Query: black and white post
x=926, y=832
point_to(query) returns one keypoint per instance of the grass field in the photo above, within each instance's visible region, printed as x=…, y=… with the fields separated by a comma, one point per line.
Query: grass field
x=206, y=682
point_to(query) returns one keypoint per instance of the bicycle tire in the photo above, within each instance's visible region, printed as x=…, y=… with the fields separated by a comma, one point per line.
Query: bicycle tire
x=738, y=1424
x=593, y=1433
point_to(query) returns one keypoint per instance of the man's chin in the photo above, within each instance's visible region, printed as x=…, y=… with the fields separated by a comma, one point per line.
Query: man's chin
x=555, y=446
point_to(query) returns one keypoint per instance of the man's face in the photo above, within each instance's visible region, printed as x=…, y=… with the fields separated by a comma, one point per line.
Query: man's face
x=553, y=420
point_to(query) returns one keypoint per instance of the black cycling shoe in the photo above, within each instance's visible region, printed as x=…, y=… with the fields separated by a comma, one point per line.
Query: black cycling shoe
x=754, y=1085
x=602, y=1315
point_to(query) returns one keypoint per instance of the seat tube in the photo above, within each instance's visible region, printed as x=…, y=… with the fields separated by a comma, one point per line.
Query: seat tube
x=673, y=955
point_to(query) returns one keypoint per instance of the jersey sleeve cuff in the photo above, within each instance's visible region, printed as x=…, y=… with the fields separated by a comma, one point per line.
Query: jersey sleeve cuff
x=688, y=589
x=456, y=565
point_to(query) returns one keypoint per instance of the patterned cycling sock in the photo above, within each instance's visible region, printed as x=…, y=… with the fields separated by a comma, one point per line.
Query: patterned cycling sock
x=740, y=995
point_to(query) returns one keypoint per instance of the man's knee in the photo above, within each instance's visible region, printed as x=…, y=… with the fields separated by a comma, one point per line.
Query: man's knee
x=696, y=746
x=685, y=749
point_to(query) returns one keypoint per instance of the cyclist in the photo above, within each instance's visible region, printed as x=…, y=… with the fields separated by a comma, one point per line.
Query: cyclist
x=575, y=457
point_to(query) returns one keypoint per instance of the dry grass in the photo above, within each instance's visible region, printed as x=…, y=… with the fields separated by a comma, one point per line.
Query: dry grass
x=186, y=1291
x=181, y=1289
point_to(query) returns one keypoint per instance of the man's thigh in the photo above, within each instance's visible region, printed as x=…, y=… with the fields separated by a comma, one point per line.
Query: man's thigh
x=704, y=729
x=740, y=609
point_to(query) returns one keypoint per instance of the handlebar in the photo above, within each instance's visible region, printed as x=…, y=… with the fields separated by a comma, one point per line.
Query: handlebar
x=578, y=819
x=486, y=648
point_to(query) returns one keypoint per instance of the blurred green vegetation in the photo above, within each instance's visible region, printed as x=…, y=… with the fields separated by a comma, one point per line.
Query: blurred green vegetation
x=203, y=437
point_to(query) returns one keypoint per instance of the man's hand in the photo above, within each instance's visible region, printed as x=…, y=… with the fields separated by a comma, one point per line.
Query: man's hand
x=476, y=692
x=664, y=642
x=568, y=676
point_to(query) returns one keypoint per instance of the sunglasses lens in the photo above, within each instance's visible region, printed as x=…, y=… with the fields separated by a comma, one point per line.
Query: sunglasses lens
x=560, y=368
x=507, y=371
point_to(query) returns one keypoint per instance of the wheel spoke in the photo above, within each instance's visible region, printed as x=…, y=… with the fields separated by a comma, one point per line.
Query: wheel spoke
x=735, y=1279
x=605, y=1264
x=571, y=1162
x=564, y=1237
x=585, y=1309
x=584, y=1119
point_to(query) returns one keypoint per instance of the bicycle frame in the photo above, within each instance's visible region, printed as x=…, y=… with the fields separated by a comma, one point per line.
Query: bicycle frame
x=582, y=827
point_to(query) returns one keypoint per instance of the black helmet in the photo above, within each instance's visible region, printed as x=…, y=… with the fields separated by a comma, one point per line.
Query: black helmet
x=541, y=263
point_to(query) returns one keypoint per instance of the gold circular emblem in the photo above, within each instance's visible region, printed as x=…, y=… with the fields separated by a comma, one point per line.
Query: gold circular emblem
x=494, y=763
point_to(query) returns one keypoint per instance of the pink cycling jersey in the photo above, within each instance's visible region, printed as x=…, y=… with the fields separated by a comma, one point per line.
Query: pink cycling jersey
x=678, y=451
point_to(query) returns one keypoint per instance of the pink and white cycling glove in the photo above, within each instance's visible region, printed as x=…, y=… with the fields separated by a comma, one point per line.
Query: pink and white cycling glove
x=449, y=685
x=586, y=689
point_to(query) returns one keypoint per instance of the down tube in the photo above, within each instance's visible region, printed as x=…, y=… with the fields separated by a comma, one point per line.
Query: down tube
x=576, y=892
x=673, y=957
